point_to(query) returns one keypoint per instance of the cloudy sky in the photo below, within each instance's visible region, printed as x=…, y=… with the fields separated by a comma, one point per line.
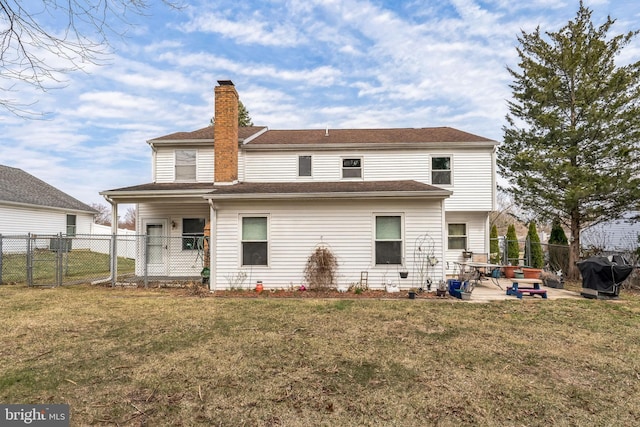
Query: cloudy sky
x=295, y=63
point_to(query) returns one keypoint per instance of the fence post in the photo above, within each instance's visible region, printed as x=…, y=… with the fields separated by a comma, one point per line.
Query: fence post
x=1, y=259
x=114, y=259
x=29, y=260
x=144, y=259
x=527, y=251
x=59, y=261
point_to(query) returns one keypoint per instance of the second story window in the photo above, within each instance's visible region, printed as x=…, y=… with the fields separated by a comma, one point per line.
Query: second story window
x=185, y=165
x=304, y=165
x=441, y=170
x=352, y=167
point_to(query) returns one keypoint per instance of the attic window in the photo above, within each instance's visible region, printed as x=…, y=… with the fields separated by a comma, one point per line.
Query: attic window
x=352, y=168
x=185, y=165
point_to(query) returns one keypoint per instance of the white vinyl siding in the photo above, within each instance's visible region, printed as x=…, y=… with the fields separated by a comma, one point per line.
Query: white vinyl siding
x=165, y=159
x=346, y=227
x=40, y=220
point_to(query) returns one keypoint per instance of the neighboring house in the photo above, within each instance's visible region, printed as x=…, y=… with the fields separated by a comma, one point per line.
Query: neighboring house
x=619, y=235
x=379, y=199
x=29, y=205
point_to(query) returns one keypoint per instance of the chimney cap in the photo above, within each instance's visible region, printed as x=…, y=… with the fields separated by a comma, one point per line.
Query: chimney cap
x=225, y=82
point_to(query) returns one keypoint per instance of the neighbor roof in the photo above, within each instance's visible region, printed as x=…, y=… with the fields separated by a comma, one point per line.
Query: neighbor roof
x=206, y=134
x=17, y=186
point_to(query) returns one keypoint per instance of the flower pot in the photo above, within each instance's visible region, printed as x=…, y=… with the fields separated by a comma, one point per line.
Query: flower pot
x=509, y=271
x=518, y=274
x=412, y=295
x=441, y=292
x=259, y=287
x=404, y=274
x=531, y=273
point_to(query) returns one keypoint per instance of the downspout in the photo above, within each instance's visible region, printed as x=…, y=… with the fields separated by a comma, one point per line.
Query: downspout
x=213, y=228
x=114, y=245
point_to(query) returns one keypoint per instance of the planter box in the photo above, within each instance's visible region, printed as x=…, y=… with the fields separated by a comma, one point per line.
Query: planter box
x=509, y=271
x=531, y=273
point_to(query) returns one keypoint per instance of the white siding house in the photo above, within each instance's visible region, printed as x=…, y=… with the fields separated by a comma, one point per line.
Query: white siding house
x=30, y=205
x=266, y=199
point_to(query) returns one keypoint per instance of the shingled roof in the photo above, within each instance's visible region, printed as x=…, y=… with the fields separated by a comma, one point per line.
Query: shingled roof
x=272, y=190
x=264, y=137
x=17, y=186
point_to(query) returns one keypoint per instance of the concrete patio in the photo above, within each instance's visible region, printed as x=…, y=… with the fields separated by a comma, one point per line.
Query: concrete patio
x=486, y=291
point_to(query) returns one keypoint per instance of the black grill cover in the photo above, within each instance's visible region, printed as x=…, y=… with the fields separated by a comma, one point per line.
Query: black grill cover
x=602, y=275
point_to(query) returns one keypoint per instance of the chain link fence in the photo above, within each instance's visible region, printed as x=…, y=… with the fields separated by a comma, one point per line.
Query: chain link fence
x=55, y=260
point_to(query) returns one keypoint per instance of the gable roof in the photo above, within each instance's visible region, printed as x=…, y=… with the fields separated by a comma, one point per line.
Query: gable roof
x=261, y=137
x=206, y=134
x=17, y=186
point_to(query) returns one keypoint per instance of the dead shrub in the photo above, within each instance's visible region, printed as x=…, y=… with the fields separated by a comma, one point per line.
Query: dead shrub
x=321, y=269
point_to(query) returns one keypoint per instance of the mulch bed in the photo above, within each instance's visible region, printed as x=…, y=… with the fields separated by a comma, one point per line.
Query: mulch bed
x=284, y=293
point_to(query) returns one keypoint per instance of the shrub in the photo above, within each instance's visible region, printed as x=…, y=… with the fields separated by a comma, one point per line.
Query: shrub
x=321, y=269
x=535, y=257
x=494, y=245
x=513, y=249
x=558, y=248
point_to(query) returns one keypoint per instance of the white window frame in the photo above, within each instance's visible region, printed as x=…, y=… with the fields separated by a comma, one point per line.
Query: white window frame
x=185, y=165
x=72, y=228
x=242, y=241
x=450, y=170
x=465, y=236
x=376, y=240
x=349, y=168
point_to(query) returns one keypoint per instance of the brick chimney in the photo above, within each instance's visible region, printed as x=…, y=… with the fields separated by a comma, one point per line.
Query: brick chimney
x=225, y=133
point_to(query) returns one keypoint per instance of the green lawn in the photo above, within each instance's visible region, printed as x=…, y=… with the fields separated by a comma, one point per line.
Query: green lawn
x=76, y=265
x=165, y=357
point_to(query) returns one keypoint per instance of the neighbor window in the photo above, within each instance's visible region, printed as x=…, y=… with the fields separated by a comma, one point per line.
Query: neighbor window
x=352, y=168
x=457, y=236
x=254, y=240
x=441, y=170
x=304, y=165
x=192, y=233
x=185, y=165
x=71, y=225
x=388, y=240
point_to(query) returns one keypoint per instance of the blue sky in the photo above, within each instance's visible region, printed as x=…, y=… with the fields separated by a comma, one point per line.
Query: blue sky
x=295, y=63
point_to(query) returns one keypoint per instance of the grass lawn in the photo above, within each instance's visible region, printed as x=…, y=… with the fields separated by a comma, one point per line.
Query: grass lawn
x=164, y=357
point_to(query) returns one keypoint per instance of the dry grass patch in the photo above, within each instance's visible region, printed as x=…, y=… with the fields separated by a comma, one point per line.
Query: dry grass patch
x=164, y=357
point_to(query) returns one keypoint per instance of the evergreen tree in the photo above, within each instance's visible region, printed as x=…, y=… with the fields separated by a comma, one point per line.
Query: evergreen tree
x=558, y=248
x=244, y=119
x=513, y=247
x=494, y=245
x=533, y=249
x=571, y=143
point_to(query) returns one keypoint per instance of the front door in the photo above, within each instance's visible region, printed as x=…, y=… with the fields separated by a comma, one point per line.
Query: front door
x=156, y=247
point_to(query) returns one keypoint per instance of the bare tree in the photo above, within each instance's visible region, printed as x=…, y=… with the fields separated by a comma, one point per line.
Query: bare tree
x=129, y=219
x=104, y=213
x=41, y=41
